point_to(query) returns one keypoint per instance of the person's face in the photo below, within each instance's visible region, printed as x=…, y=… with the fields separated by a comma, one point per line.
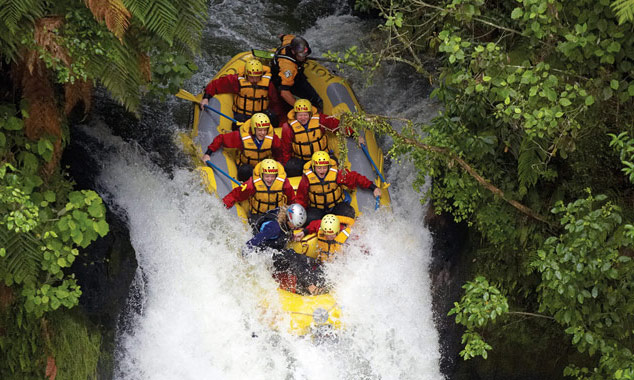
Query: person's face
x=301, y=57
x=321, y=171
x=302, y=117
x=253, y=78
x=330, y=236
x=268, y=179
x=260, y=133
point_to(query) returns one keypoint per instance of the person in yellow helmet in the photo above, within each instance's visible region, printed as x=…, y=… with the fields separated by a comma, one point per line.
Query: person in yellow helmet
x=332, y=232
x=304, y=134
x=254, y=92
x=266, y=190
x=255, y=141
x=287, y=69
x=320, y=189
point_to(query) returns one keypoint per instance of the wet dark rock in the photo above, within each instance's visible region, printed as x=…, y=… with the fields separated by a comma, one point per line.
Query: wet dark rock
x=106, y=268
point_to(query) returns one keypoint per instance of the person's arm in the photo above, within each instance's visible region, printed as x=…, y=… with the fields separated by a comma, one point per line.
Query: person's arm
x=301, y=196
x=270, y=231
x=228, y=140
x=226, y=84
x=352, y=179
x=288, y=71
x=287, y=143
x=276, y=148
x=313, y=226
x=331, y=123
x=288, y=191
x=288, y=97
x=239, y=193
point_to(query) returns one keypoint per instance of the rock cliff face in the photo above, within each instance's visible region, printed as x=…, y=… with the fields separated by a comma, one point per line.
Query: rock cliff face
x=105, y=269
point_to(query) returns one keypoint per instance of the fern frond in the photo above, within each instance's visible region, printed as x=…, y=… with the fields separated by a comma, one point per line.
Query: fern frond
x=114, y=12
x=138, y=8
x=161, y=19
x=529, y=162
x=43, y=117
x=624, y=10
x=17, y=12
x=47, y=39
x=192, y=18
x=23, y=258
x=119, y=73
x=145, y=66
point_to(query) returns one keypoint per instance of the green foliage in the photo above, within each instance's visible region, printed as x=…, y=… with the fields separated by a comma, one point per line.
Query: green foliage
x=75, y=344
x=624, y=144
x=42, y=224
x=534, y=93
x=22, y=345
x=624, y=10
x=482, y=302
x=159, y=44
x=587, y=283
x=353, y=58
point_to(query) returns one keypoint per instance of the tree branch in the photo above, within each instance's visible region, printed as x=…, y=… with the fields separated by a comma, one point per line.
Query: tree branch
x=453, y=157
x=530, y=314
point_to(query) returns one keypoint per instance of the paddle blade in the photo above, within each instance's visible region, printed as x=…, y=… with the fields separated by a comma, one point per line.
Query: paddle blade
x=262, y=53
x=187, y=96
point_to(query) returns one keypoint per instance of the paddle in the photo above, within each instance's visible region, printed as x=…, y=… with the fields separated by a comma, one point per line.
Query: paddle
x=212, y=165
x=265, y=54
x=192, y=98
x=367, y=154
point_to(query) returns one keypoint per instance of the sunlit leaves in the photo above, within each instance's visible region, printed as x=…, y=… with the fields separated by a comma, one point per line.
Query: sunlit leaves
x=482, y=303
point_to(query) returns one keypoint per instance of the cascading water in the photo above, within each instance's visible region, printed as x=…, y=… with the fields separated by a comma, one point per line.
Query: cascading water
x=198, y=311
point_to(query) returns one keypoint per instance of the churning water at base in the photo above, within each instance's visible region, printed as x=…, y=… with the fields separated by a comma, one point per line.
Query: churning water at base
x=199, y=315
x=197, y=308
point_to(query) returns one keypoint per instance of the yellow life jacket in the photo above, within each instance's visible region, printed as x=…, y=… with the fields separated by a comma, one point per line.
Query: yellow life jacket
x=324, y=193
x=266, y=198
x=250, y=154
x=307, y=140
x=252, y=98
x=327, y=248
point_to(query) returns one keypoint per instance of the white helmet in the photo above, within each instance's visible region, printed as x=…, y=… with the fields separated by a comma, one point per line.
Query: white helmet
x=296, y=215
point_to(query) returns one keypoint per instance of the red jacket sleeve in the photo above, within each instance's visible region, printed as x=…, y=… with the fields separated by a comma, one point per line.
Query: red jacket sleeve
x=331, y=123
x=289, y=192
x=276, y=148
x=239, y=193
x=313, y=226
x=228, y=140
x=352, y=179
x=302, y=192
x=287, y=143
x=227, y=84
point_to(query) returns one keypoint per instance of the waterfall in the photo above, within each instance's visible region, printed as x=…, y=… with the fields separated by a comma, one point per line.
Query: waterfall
x=198, y=311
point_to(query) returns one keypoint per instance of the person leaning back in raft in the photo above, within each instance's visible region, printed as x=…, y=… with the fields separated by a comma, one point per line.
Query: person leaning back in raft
x=332, y=233
x=273, y=230
x=320, y=189
x=266, y=190
x=287, y=70
x=254, y=91
x=304, y=134
x=255, y=141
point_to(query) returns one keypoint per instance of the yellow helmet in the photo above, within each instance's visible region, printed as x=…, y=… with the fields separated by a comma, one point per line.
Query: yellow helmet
x=260, y=120
x=320, y=158
x=303, y=105
x=330, y=224
x=268, y=166
x=254, y=68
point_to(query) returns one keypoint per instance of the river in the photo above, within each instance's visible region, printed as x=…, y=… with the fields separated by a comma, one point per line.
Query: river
x=193, y=311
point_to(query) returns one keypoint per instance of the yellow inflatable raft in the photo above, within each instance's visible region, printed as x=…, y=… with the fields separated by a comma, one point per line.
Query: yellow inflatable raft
x=306, y=311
